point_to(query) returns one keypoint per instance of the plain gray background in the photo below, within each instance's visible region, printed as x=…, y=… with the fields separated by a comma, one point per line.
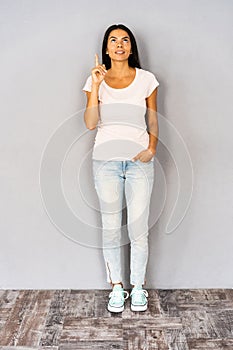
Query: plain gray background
x=47, y=52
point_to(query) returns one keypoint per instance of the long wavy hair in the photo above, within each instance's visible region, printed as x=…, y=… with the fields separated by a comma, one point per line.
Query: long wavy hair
x=133, y=59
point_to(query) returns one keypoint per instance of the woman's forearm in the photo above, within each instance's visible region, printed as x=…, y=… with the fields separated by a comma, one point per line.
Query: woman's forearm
x=153, y=130
x=91, y=114
x=153, y=140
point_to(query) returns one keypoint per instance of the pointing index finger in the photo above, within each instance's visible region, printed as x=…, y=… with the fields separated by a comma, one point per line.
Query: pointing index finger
x=96, y=60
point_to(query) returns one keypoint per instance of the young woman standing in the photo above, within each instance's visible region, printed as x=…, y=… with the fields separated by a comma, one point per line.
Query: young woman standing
x=119, y=92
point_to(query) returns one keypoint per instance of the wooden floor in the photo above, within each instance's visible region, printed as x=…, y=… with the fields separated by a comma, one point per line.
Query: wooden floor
x=78, y=319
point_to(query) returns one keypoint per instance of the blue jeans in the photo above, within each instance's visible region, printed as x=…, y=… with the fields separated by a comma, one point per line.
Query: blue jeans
x=112, y=179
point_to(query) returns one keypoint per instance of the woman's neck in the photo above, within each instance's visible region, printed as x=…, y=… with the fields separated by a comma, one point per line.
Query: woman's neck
x=120, y=69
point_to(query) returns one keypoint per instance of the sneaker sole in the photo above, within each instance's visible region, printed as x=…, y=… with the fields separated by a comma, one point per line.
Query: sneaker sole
x=115, y=309
x=138, y=307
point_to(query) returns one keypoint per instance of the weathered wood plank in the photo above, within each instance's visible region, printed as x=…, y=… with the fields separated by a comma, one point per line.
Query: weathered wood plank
x=98, y=329
x=102, y=329
x=80, y=304
x=55, y=319
x=93, y=345
x=26, y=348
x=156, y=323
x=175, y=339
x=135, y=339
x=155, y=339
x=174, y=302
x=229, y=294
x=168, y=302
x=196, y=324
x=213, y=344
x=7, y=301
x=191, y=299
x=212, y=295
x=9, y=333
x=27, y=319
x=222, y=323
x=7, y=298
x=32, y=326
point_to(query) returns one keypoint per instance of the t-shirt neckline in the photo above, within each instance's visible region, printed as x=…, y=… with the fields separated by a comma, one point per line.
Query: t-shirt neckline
x=136, y=75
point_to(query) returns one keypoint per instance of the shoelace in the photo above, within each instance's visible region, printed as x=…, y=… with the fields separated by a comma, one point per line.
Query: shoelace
x=139, y=294
x=118, y=294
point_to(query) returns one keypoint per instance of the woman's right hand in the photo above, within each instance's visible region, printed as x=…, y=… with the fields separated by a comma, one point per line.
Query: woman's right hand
x=98, y=72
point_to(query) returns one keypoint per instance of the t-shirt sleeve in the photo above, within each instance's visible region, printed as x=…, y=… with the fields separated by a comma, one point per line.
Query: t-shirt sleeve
x=152, y=84
x=87, y=86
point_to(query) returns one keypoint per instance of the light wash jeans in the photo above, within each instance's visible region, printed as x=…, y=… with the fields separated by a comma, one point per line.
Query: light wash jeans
x=112, y=179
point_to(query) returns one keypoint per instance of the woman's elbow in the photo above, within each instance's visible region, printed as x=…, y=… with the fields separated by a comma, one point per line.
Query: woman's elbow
x=89, y=126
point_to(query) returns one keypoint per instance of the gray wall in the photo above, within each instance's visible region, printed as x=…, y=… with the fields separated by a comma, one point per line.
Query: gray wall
x=50, y=224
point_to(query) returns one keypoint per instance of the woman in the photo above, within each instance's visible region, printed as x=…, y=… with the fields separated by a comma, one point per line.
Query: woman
x=118, y=94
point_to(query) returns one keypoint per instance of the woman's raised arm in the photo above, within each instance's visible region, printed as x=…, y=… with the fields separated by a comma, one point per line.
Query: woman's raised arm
x=91, y=114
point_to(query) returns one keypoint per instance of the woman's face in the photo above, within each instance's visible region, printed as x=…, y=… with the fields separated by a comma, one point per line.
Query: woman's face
x=118, y=45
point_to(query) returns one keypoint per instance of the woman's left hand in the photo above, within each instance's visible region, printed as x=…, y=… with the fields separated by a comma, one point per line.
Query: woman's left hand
x=144, y=156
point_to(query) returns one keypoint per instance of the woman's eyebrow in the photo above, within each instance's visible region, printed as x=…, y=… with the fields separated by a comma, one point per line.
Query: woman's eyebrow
x=116, y=37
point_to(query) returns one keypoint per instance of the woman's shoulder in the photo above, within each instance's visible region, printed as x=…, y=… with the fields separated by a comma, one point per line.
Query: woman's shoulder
x=148, y=79
x=145, y=72
x=87, y=84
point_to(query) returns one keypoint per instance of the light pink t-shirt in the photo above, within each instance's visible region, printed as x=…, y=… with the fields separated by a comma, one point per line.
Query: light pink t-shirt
x=122, y=130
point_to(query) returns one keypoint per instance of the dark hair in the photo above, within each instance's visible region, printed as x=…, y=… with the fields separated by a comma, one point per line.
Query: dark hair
x=133, y=58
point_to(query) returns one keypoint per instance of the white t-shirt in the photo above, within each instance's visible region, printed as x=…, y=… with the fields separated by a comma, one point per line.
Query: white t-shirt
x=122, y=130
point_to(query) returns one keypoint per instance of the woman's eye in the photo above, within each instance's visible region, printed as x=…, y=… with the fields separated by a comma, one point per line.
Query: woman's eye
x=126, y=40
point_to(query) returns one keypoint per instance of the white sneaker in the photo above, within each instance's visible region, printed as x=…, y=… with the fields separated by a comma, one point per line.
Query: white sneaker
x=117, y=299
x=138, y=299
